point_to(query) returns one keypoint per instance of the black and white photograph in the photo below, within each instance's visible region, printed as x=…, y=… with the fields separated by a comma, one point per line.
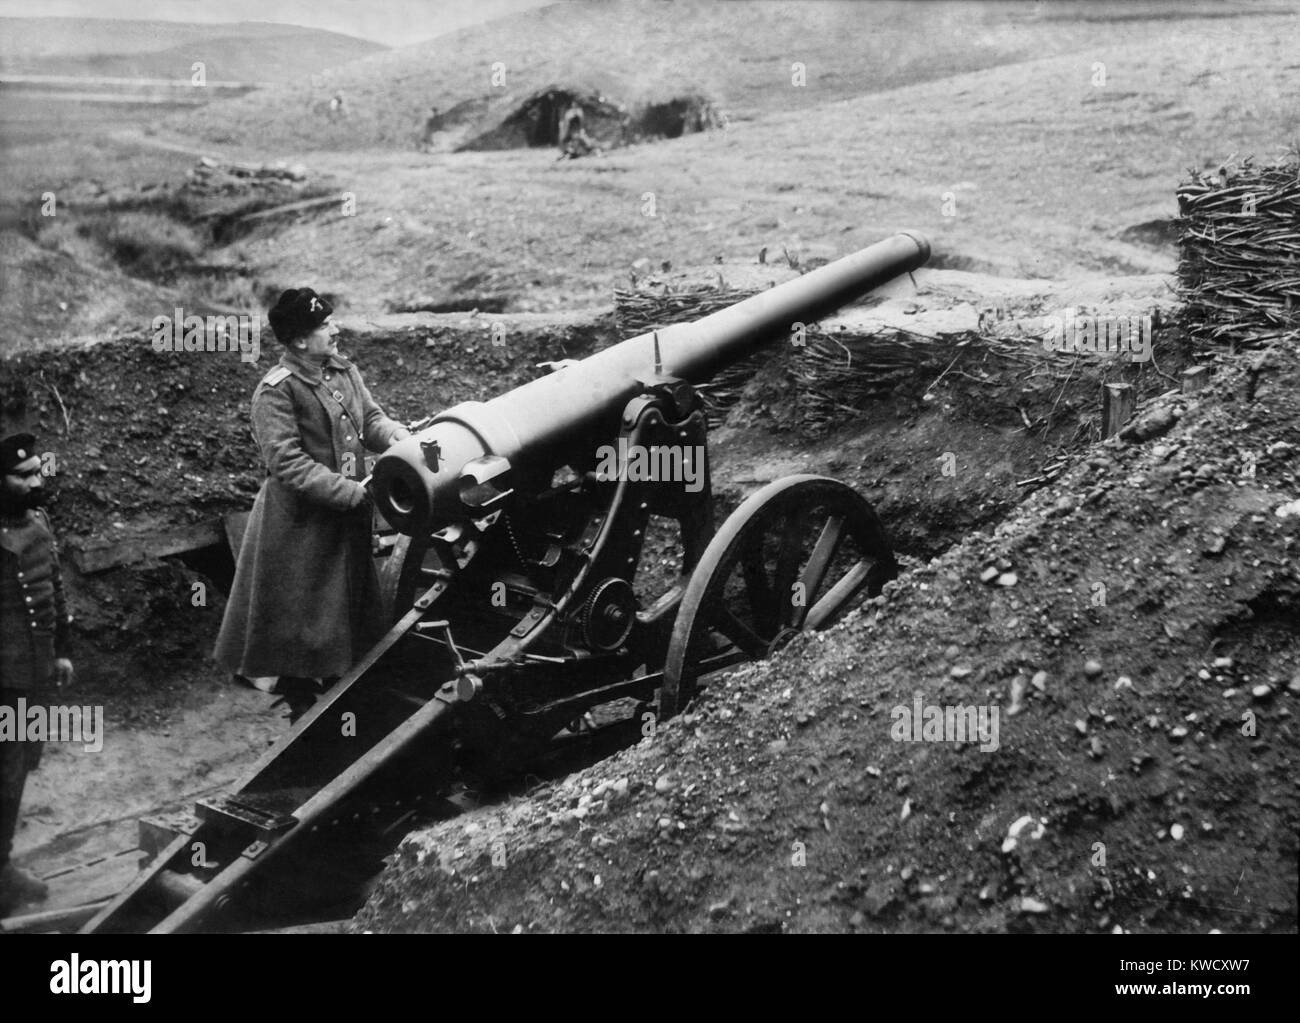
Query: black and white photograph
x=651, y=467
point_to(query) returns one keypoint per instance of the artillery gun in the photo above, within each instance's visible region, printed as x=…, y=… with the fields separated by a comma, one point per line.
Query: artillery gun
x=517, y=604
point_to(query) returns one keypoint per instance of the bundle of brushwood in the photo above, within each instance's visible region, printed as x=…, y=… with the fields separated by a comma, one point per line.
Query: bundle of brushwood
x=840, y=371
x=1239, y=266
x=684, y=296
x=831, y=372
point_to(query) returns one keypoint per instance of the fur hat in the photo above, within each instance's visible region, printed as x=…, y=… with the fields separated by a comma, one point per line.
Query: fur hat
x=298, y=312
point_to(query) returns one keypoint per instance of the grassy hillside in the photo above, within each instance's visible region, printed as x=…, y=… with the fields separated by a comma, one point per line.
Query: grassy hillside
x=740, y=54
x=1044, y=175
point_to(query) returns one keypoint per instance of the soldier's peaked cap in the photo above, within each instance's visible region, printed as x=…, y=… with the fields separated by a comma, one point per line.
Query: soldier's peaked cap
x=297, y=313
x=16, y=449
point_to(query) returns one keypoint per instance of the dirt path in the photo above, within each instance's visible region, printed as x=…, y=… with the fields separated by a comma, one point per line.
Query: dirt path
x=81, y=808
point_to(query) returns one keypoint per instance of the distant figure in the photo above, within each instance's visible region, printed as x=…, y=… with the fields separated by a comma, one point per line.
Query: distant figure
x=574, y=140
x=337, y=109
x=430, y=129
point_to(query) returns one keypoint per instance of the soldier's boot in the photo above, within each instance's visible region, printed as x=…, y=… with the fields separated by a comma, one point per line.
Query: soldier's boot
x=263, y=684
x=18, y=887
x=298, y=694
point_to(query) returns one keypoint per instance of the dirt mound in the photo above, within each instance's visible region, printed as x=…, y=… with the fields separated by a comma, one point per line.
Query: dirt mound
x=110, y=408
x=152, y=447
x=1135, y=626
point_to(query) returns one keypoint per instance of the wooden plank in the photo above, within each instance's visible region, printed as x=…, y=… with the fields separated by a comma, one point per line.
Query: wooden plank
x=98, y=556
x=293, y=207
x=63, y=920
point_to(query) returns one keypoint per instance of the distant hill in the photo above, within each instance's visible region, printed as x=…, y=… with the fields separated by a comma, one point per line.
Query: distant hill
x=240, y=51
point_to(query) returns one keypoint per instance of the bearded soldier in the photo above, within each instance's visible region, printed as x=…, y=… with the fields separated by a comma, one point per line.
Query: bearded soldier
x=34, y=632
x=304, y=604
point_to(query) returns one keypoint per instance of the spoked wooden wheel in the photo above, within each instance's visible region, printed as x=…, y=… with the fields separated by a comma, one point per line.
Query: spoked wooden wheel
x=795, y=556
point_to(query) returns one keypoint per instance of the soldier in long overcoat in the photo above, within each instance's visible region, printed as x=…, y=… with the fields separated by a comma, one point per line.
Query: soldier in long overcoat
x=305, y=599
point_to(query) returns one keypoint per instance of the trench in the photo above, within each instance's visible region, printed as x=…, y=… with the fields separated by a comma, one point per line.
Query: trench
x=180, y=237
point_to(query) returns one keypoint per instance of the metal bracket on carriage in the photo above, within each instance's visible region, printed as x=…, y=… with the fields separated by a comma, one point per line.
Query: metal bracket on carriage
x=680, y=395
x=233, y=811
x=541, y=605
x=432, y=593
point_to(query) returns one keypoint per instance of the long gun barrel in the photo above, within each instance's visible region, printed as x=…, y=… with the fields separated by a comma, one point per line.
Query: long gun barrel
x=421, y=483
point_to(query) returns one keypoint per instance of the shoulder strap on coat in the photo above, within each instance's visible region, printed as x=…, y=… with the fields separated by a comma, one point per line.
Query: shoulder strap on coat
x=43, y=520
x=276, y=375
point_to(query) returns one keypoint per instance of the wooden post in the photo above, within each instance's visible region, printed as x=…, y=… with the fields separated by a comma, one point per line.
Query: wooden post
x=1195, y=378
x=99, y=555
x=1117, y=404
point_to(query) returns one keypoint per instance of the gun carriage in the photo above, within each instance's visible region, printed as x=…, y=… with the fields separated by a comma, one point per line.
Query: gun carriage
x=519, y=600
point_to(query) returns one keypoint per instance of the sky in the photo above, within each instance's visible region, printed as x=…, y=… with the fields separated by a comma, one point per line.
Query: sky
x=391, y=22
